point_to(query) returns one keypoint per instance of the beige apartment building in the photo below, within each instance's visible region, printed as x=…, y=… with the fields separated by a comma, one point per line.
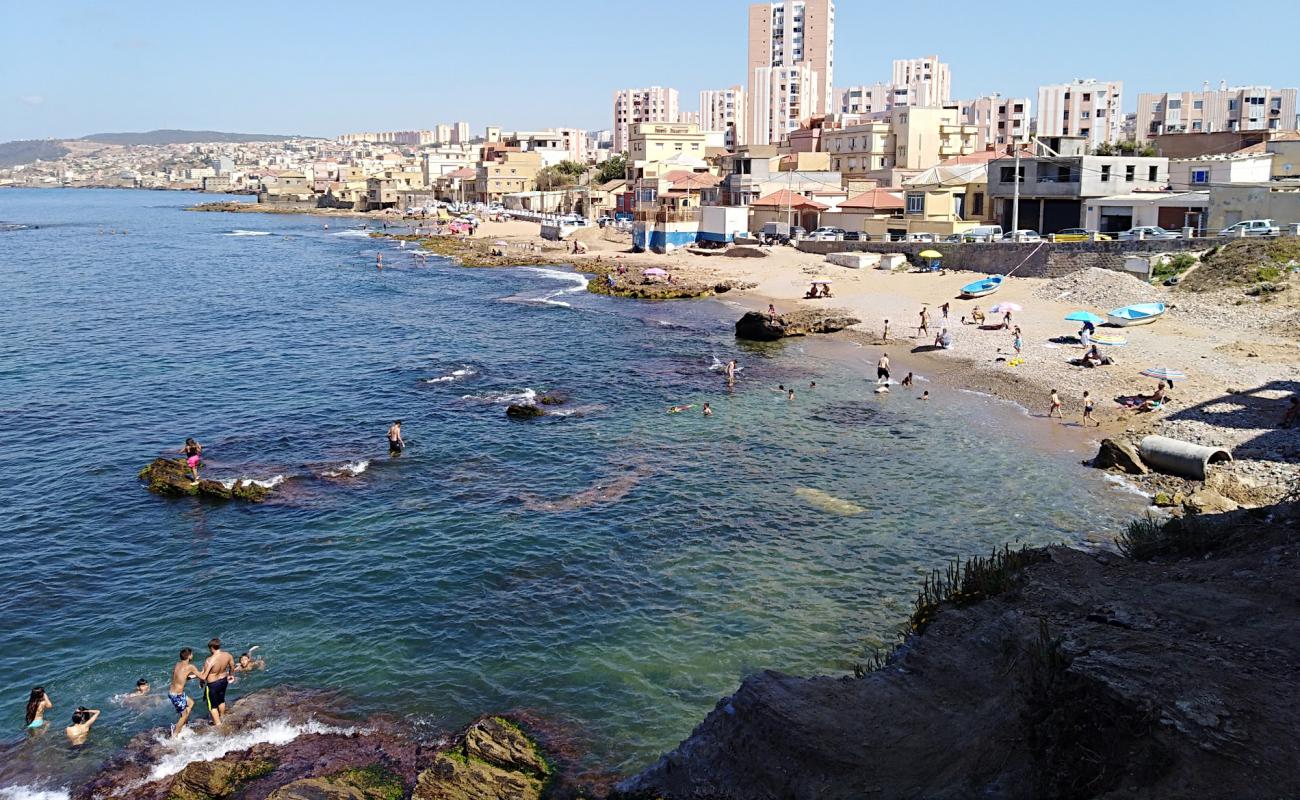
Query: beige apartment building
x=511, y=171
x=1241, y=108
x=724, y=110
x=634, y=106
x=655, y=149
x=924, y=81
x=791, y=65
x=890, y=152
x=999, y=121
x=1090, y=109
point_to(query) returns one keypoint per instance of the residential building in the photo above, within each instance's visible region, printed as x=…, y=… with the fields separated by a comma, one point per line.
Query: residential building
x=911, y=140
x=460, y=133
x=755, y=171
x=1279, y=202
x=492, y=133
x=724, y=110
x=444, y=160
x=791, y=65
x=789, y=207
x=655, y=149
x=868, y=99
x=688, y=117
x=509, y=172
x=1169, y=210
x=1240, y=108
x=551, y=145
x=924, y=81
x=1054, y=192
x=442, y=134
x=382, y=189
x=634, y=106
x=414, y=138
x=1204, y=172
x=1088, y=108
x=857, y=211
x=574, y=142
x=998, y=120
x=1285, y=149
x=1192, y=145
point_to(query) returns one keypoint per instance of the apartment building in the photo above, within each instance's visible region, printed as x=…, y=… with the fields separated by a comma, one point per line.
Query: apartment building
x=864, y=100
x=442, y=134
x=1055, y=192
x=1089, y=108
x=551, y=145
x=634, y=106
x=924, y=81
x=1240, y=108
x=655, y=149
x=724, y=110
x=998, y=120
x=511, y=171
x=460, y=133
x=444, y=160
x=415, y=138
x=791, y=65
x=891, y=151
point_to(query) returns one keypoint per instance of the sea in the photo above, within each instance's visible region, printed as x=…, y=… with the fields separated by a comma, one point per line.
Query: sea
x=612, y=568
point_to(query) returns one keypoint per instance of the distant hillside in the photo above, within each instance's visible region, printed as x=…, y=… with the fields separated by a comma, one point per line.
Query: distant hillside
x=28, y=150
x=181, y=137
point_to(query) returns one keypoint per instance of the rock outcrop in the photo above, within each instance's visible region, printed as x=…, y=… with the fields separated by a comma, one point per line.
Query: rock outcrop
x=524, y=411
x=1097, y=677
x=492, y=759
x=759, y=327
x=1119, y=455
x=625, y=286
x=172, y=477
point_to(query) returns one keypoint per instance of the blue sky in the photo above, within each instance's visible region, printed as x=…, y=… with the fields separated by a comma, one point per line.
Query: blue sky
x=72, y=68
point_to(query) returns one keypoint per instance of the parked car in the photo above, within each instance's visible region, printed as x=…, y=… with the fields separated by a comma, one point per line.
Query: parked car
x=982, y=233
x=856, y=236
x=827, y=234
x=1080, y=235
x=780, y=232
x=1252, y=227
x=1022, y=235
x=952, y=238
x=1148, y=232
x=921, y=237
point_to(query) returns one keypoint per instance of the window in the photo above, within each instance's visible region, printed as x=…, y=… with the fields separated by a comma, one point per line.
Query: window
x=1198, y=104
x=1153, y=173
x=1200, y=176
x=977, y=204
x=1155, y=107
x=1086, y=115
x=1175, y=104
x=1232, y=104
x=1105, y=173
x=916, y=202
x=1130, y=173
x=1276, y=104
x=1086, y=97
x=1196, y=125
x=1009, y=175
x=1101, y=112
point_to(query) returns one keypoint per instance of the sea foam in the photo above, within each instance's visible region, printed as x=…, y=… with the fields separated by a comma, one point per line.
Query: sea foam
x=456, y=374
x=351, y=469
x=238, y=232
x=194, y=745
x=267, y=483
x=32, y=793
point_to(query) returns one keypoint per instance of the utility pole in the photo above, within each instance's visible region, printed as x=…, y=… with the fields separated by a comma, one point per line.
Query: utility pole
x=1015, y=197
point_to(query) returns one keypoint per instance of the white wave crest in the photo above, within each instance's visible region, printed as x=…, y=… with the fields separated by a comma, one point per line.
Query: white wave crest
x=353, y=233
x=455, y=375
x=719, y=366
x=579, y=285
x=238, y=232
x=267, y=483
x=1125, y=485
x=350, y=469
x=194, y=745
x=526, y=396
x=32, y=793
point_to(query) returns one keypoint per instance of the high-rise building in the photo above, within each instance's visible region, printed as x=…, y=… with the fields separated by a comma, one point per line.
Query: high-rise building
x=460, y=133
x=1239, y=108
x=999, y=120
x=633, y=106
x=875, y=98
x=442, y=134
x=724, y=110
x=791, y=65
x=924, y=81
x=1090, y=109
x=688, y=118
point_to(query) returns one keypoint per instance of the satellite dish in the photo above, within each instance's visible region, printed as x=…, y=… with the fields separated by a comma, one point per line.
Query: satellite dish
x=1286, y=167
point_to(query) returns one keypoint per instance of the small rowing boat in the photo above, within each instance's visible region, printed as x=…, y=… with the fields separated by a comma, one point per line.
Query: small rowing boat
x=982, y=287
x=1138, y=314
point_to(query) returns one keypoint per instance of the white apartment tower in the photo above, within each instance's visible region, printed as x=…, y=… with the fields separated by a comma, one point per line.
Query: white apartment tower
x=633, y=106
x=1089, y=108
x=460, y=133
x=791, y=65
x=875, y=98
x=725, y=110
x=924, y=81
x=1239, y=108
x=999, y=120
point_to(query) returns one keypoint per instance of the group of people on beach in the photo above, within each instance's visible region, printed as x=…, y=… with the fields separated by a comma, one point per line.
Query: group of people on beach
x=215, y=677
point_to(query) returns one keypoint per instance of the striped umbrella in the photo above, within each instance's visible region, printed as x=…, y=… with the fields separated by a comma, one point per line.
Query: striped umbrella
x=1163, y=374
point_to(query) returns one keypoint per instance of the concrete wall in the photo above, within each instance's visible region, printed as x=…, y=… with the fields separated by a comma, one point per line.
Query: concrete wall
x=1045, y=261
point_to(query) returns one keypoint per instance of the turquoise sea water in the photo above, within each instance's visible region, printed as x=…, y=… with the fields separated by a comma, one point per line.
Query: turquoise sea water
x=616, y=570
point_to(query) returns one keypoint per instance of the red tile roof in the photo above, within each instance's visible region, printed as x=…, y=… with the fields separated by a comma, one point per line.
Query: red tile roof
x=884, y=198
x=788, y=199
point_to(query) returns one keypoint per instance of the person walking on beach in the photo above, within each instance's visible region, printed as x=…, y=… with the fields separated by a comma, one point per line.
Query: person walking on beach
x=882, y=369
x=944, y=310
x=1017, y=343
x=181, y=674
x=1088, y=406
x=217, y=671
x=924, y=327
x=1006, y=320
x=1085, y=335
x=192, y=452
x=37, y=704
x=884, y=335
x=1055, y=410
x=395, y=442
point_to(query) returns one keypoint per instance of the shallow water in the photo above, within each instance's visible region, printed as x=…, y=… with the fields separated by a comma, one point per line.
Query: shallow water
x=617, y=569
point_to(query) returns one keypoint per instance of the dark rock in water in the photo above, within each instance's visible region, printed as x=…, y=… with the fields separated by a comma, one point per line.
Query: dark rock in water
x=553, y=398
x=493, y=760
x=523, y=411
x=222, y=778
x=759, y=327
x=371, y=783
x=1121, y=455
x=171, y=477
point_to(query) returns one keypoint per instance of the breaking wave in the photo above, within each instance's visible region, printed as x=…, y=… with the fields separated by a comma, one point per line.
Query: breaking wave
x=455, y=375
x=350, y=470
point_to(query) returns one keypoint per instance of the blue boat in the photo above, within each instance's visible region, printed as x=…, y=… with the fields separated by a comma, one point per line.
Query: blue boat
x=1137, y=314
x=980, y=288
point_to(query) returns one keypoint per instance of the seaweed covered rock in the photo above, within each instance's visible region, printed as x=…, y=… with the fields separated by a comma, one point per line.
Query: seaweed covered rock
x=759, y=327
x=168, y=476
x=493, y=760
x=203, y=780
x=524, y=411
x=371, y=783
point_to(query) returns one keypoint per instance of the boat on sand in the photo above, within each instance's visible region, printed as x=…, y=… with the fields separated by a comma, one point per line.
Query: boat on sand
x=982, y=287
x=1137, y=314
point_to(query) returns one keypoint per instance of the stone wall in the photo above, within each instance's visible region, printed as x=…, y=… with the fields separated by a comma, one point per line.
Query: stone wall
x=1045, y=260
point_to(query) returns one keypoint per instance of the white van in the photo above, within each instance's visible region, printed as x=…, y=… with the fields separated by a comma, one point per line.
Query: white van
x=983, y=233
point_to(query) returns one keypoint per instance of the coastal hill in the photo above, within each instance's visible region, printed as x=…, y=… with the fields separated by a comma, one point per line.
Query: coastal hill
x=25, y=151
x=170, y=136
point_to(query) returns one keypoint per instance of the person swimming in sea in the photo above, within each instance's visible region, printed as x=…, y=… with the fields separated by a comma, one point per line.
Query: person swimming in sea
x=925, y=396
x=708, y=412
x=731, y=372
x=192, y=452
x=395, y=442
x=907, y=380
x=789, y=395
x=37, y=704
x=247, y=663
x=681, y=408
x=82, y=720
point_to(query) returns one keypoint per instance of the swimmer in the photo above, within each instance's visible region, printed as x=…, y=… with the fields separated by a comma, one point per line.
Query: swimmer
x=789, y=394
x=247, y=663
x=1055, y=410
x=925, y=396
x=192, y=451
x=812, y=384
x=37, y=704
x=82, y=719
x=395, y=442
x=181, y=673
x=731, y=372
x=907, y=380
x=681, y=408
x=141, y=688
x=708, y=412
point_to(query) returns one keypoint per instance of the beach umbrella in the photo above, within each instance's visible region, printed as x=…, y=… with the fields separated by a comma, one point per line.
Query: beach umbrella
x=1004, y=307
x=1163, y=374
x=930, y=254
x=654, y=271
x=1085, y=316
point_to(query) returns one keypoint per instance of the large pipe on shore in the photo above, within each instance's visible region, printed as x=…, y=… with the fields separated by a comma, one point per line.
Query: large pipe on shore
x=1181, y=458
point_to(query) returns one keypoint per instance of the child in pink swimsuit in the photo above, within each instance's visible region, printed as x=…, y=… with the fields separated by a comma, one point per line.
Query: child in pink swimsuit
x=192, y=451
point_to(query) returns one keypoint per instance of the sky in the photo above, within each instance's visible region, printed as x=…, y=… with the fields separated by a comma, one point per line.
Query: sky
x=323, y=68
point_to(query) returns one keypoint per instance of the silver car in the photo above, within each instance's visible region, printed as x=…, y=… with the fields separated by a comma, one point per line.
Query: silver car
x=1148, y=232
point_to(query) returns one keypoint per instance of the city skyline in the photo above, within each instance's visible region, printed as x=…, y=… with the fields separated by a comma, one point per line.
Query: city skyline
x=311, y=70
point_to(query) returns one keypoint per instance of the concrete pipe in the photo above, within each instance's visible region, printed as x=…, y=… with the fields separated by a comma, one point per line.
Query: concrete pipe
x=1181, y=458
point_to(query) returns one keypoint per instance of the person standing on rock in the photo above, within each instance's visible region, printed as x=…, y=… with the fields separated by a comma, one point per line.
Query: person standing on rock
x=395, y=442
x=217, y=671
x=181, y=673
x=882, y=369
x=192, y=452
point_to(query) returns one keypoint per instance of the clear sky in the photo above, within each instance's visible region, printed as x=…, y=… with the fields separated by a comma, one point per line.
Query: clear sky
x=71, y=68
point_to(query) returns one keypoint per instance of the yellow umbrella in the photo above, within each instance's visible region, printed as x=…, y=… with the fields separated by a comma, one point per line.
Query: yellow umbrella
x=930, y=254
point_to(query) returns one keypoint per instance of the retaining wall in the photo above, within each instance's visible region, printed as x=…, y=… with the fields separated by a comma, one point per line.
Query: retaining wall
x=1050, y=260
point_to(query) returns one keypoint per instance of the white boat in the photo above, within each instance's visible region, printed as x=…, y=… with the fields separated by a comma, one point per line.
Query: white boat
x=1138, y=314
x=982, y=287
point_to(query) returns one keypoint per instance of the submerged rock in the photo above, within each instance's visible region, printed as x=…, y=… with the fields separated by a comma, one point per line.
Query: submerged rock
x=170, y=476
x=524, y=411
x=1121, y=455
x=759, y=327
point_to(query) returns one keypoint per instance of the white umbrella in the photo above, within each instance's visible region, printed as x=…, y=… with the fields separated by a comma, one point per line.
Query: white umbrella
x=1004, y=307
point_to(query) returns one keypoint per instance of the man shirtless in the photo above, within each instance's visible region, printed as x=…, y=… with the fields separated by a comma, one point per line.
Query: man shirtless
x=181, y=673
x=216, y=674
